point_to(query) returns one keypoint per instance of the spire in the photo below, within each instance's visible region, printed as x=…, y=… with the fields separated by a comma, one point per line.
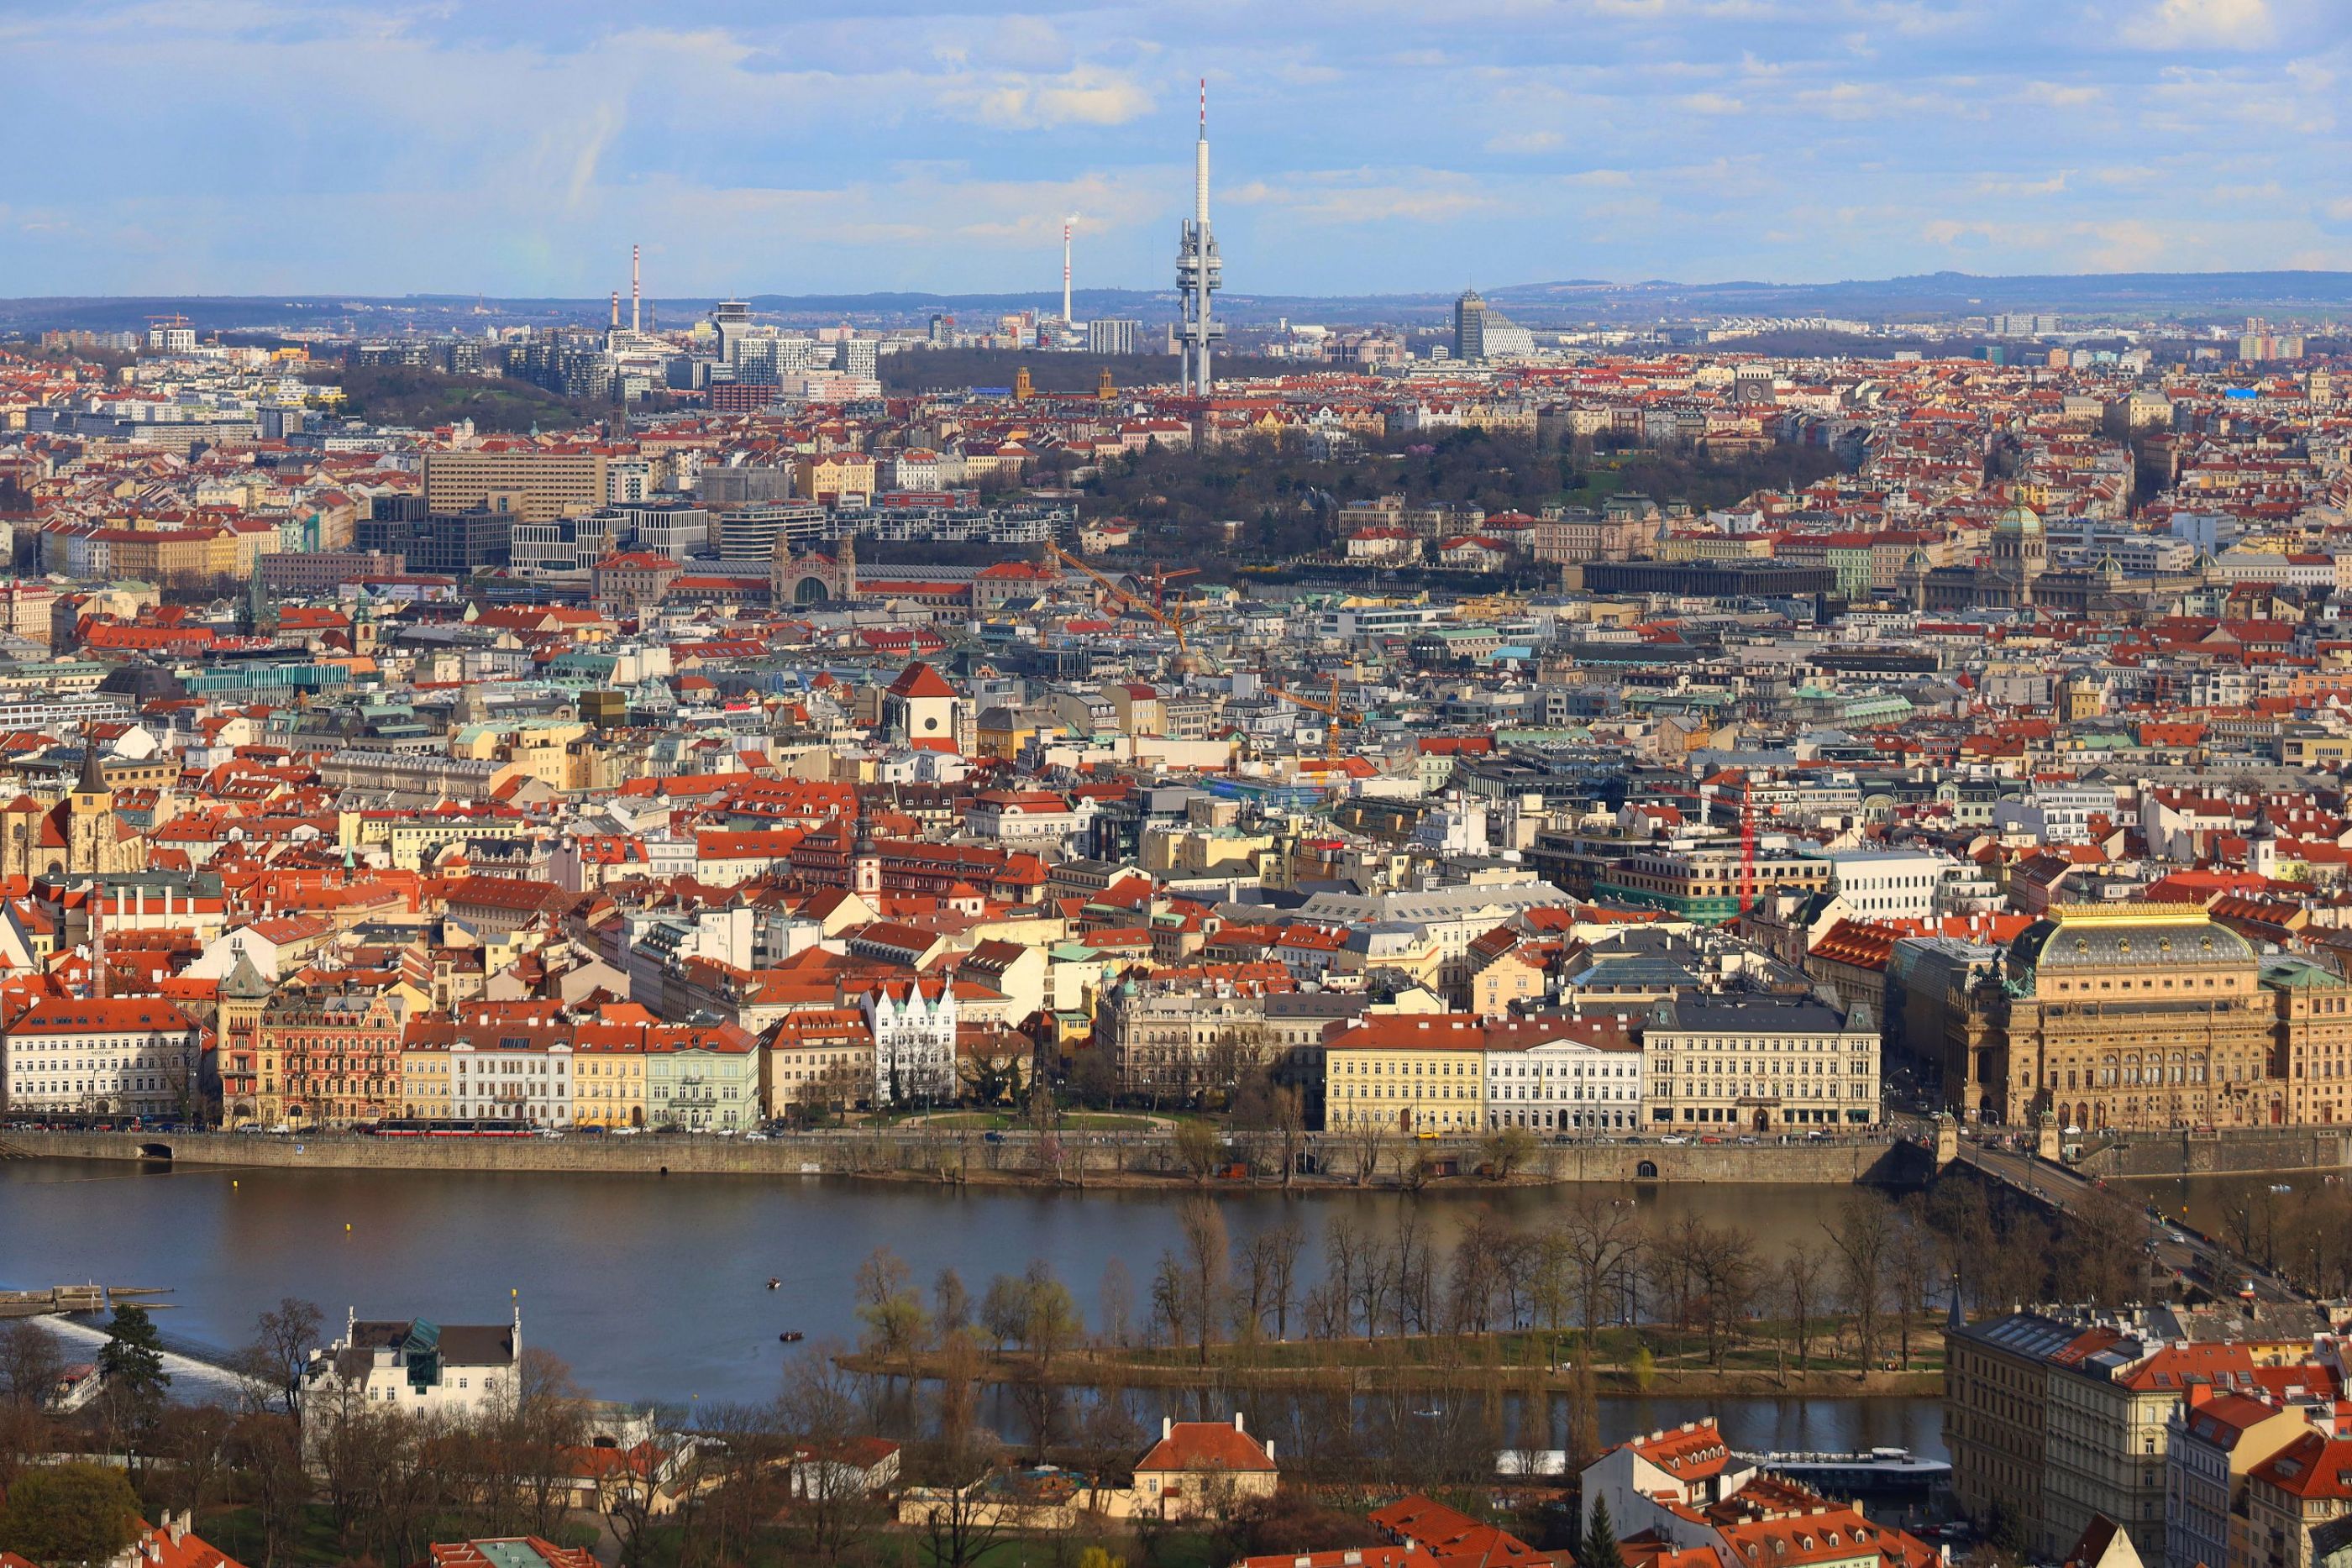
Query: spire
x=245, y=983
x=93, y=776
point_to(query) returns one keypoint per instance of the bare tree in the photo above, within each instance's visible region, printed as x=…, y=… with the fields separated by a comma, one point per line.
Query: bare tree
x=1601, y=1239
x=1366, y=1145
x=1050, y=1323
x=2102, y=1247
x=1414, y=1270
x=1207, y=1260
x=888, y=1307
x=283, y=1338
x=1863, y=1236
x=630, y=1499
x=1505, y=1149
x=30, y=1364
x=1472, y=1283
x=1115, y=1303
x=951, y=1304
x=956, y=1408
x=268, y=1456
x=740, y=1475
x=540, y=1420
x=1290, y=1130
x=1286, y=1241
x=960, y=1518
x=1730, y=1278
x=832, y=1510
x=1911, y=1271
x=1343, y=1247
x=1254, y=1290
x=195, y=1439
x=1803, y=1282
x=1042, y=1406
x=1168, y=1296
x=1198, y=1150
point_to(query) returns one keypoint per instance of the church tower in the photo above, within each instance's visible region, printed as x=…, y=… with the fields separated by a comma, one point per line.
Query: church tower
x=864, y=863
x=244, y=1075
x=89, y=814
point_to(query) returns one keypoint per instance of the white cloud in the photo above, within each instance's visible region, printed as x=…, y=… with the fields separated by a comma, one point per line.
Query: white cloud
x=1087, y=95
x=1349, y=198
x=1525, y=141
x=2062, y=95
x=2206, y=24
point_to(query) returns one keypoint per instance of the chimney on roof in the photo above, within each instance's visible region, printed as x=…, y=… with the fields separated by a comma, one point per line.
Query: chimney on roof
x=1167, y=1428
x=1237, y=1420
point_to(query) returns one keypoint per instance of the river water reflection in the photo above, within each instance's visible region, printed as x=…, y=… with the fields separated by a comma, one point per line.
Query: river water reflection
x=655, y=1288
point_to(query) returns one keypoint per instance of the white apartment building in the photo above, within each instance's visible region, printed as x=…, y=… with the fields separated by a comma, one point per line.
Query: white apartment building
x=1888, y=884
x=131, y=1056
x=1758, y=1062
x=1363, y=622
x=1564, y=1085
x=2057, y=813
x=1454, y=918
x=414, y=1366
x=515, y=1079
x=914, y=1028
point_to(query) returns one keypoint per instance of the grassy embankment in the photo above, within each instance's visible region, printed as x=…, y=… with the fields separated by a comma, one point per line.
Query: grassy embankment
x=1653, y=1360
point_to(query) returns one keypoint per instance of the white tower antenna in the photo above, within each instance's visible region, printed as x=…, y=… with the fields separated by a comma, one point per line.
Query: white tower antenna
x=1067, y=316
x=1199, y=272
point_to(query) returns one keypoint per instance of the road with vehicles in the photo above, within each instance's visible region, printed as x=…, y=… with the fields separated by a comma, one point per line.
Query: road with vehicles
x=2179, y=1250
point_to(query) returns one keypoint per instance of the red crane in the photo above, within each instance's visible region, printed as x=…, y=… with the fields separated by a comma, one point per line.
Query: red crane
x=1747, y=844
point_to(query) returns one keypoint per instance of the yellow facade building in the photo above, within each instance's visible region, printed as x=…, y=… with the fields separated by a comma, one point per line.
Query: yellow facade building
x=608, y=1082
x=1424, y=1074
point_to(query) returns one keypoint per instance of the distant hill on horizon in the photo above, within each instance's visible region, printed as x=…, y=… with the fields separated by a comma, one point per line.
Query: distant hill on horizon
x=1919, y=297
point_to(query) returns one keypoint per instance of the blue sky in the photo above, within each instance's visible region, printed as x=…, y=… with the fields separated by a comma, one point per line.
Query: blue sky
x=255, y=146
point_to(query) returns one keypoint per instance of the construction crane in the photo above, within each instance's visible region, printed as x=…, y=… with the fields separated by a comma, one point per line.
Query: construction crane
x=1330, y=710
x=1186, y=662
x=1746, y=843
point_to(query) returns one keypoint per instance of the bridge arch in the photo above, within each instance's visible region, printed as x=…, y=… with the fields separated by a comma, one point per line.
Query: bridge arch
x=154, y=1151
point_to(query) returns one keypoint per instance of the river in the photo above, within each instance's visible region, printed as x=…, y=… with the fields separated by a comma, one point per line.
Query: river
x=655, y=1288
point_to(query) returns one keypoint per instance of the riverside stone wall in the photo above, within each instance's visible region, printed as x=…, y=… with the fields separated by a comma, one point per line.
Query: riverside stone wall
x=2247, y=1152
x=1013, y=1158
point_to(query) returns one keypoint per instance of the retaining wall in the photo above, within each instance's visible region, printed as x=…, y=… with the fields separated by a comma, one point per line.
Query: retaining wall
x=1065, y=1159
x=2221, y=1154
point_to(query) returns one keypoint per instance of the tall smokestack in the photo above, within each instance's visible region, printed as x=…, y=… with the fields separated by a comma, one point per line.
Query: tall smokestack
x=616, y=310
x=637, y=316
x=1065, y=272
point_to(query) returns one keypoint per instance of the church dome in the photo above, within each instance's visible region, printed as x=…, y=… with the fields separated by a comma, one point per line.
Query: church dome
x=2017, y=520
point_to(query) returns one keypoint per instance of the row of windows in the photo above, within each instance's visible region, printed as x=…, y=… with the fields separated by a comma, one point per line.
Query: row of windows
x=1773, y=1088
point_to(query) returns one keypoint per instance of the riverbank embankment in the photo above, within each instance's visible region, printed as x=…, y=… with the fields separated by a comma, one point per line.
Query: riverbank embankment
x=1385, y=1366
x=1023, y=1158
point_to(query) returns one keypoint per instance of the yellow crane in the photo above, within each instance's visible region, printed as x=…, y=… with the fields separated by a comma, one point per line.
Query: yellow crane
x=1330, y=710
x=1186, y=662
